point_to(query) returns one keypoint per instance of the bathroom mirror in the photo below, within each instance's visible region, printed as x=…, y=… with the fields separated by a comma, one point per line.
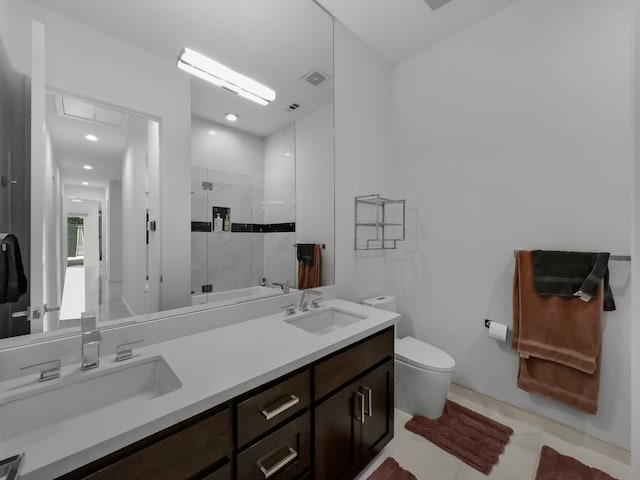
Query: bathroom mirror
x=121, y=56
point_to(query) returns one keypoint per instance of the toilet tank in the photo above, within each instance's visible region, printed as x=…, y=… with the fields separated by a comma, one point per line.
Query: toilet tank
x=383, y=302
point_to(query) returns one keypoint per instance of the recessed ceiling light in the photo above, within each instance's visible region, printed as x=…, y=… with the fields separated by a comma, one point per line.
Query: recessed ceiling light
x=76, y=200
x=88, y=167
x=232, y=117
x=91, y=138
x=85, y=183
x=212, y=132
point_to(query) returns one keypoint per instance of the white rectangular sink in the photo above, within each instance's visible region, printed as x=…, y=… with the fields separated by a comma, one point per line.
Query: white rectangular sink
x=79, y=393
x=325, y=321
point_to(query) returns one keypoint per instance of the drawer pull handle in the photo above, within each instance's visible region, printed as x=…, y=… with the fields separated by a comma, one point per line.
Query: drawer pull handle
x=369, y=410
x=292, y=455
x=293, y=400
x=361, y=417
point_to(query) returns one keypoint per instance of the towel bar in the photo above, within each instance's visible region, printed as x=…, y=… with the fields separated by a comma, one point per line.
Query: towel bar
x=323, y=245
x=613, y=258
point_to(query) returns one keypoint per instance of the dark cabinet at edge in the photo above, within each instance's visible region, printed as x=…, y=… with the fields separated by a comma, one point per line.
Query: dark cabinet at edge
x=354, y=424
x=349, y=406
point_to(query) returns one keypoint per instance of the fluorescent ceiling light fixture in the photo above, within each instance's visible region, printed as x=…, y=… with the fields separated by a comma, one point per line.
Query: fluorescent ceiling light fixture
x=208, y=69
x=85, y=183
x=91, y=138
x=87, y=167
x=232, y=117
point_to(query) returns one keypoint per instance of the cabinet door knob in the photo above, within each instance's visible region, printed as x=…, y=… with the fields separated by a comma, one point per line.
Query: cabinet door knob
x=291, y=455
x=368, y=411
x=361, y=418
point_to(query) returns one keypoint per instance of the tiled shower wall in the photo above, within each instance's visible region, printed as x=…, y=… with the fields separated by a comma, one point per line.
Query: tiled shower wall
x=253, y=177
x=280, y=204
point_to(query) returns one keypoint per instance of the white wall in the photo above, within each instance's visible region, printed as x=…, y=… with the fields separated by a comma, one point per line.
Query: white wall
x=314, y=172
x=114, y=237
x=53, y=263
x=515, y=133
x=89, y=63
x=363, y=158
x=134, y=255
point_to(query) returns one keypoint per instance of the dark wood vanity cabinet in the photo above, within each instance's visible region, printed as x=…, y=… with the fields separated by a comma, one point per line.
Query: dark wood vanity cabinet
x=354, y=424
x=198, y=448
x=325, y=421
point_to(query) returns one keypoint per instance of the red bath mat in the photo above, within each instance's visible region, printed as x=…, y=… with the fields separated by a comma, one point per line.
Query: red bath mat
x=475, y=439
x=390, y=470
x=555, y=466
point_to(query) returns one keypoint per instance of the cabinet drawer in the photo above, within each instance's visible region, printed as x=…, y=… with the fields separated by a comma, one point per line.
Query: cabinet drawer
x=181, y=455
x=339, y=369
x=223, y=473
x=285, y=454
x=270, y=407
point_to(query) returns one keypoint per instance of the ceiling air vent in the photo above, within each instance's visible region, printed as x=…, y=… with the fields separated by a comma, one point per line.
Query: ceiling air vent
x=293, y=107
x=315, y=77
x=436, y=4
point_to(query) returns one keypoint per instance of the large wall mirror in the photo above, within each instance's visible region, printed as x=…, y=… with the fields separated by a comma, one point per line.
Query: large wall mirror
x=129, y=188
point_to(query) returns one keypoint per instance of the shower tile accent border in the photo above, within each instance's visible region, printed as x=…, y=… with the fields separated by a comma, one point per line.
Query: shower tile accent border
x=563, y=432
x=287, y=227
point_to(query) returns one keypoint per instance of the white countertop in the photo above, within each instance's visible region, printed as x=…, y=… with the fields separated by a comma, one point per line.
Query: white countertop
x=213, y=366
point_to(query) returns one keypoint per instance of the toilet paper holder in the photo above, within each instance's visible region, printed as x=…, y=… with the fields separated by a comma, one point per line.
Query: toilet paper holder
x=487, y=322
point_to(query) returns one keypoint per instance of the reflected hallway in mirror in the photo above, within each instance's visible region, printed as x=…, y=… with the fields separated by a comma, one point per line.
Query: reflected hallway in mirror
x=103, y=161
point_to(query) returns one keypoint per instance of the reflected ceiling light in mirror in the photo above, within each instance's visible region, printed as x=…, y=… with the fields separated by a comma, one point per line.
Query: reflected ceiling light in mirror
x=85, y=183
x=87, y=167
x=208, y=69
x=232, y=117
x=91, y=138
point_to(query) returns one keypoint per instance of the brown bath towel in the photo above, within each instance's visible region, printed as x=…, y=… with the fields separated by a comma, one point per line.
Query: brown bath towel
x=559, y=341
x=564, y=330
x=309, y=270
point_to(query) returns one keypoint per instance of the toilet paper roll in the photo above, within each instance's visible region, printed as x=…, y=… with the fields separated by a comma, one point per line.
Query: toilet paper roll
x=498, y=331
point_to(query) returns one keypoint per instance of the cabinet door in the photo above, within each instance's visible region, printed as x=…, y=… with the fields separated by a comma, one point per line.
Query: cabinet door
x=337, y=436
x=377, y=430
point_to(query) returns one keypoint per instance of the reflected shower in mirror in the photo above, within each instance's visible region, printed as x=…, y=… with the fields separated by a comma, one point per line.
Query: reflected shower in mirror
x=242, y=212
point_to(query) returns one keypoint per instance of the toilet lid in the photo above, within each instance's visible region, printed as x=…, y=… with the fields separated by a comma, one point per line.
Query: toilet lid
x=422, y=355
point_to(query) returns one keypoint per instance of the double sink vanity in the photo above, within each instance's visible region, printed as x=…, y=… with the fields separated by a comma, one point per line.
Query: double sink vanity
x=299, y=394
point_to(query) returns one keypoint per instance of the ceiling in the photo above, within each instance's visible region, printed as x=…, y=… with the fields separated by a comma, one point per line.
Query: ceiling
x=72, y=150
x=400, y=29
x=275, y=42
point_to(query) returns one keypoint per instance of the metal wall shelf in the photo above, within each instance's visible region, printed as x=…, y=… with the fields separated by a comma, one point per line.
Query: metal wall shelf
x=379, y=222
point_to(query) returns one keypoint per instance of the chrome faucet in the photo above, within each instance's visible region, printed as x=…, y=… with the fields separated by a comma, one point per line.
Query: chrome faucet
x=284, y=285
x=302, y=306
x=50, y=373
x=91, y=339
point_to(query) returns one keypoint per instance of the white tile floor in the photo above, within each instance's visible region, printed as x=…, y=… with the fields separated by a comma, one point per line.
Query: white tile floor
x=520, y=458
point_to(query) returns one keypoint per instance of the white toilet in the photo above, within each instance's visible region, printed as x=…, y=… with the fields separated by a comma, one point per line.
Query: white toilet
x=422, y=371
